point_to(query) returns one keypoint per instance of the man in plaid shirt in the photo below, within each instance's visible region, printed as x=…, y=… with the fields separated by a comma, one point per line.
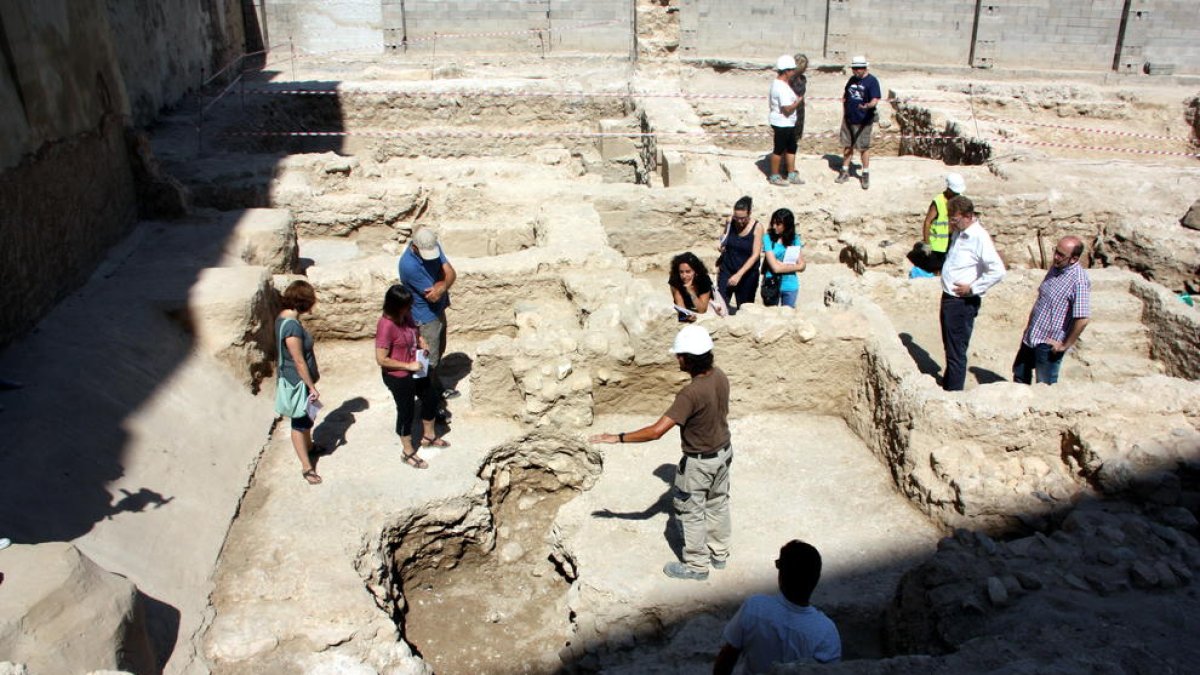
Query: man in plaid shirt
x=1059, y=316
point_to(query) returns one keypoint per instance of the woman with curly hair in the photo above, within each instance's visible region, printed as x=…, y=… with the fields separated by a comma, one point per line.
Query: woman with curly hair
x=692, y=287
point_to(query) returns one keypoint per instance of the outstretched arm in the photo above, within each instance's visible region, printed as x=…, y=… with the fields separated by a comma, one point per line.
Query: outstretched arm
x=652, y=432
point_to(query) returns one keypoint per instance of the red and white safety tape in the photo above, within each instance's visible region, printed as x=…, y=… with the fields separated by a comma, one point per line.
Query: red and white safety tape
x=532, y=94
x=1128, y=134
x=680, y=134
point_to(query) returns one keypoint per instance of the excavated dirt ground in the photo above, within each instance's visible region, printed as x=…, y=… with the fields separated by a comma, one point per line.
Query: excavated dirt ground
x=541, y=579
x=525, y=549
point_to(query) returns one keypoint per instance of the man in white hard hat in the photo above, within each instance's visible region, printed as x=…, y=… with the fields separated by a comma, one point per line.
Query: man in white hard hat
x=701, y=409
x=783, y=104
x=936, y=231
x=859, y=100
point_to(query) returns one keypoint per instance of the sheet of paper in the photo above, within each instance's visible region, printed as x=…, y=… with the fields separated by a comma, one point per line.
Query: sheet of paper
x=423, y=359
x=792, y=255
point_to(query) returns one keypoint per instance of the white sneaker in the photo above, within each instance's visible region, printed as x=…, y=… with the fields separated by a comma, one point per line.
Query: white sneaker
x=5, y=542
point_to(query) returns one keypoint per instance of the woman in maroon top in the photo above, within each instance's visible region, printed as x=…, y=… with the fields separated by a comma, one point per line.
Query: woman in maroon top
x=398, y=347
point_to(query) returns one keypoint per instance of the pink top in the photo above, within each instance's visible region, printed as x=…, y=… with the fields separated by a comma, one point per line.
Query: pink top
x=399, y=340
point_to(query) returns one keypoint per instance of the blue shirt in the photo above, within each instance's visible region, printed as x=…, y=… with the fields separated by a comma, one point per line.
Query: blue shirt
x=768, y=629
x=860, y=90
x=789, y=281
x=419, y=275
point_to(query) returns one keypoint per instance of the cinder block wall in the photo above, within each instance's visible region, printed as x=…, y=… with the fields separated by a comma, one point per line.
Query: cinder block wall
x=1045, y=34
x=507, y=26
x=1055, y=34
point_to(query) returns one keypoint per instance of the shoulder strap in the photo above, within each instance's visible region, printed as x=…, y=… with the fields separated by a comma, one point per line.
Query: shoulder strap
x=279, y=351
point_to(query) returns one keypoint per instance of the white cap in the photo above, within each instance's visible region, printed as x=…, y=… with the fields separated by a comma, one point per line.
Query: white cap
x=955, y=183
x=693, y=340
x=859, y=62
x=426, y=241
x=785, y=62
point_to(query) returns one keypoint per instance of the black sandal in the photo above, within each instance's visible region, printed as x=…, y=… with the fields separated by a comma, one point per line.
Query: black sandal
x=312, y=477
x=415, y=462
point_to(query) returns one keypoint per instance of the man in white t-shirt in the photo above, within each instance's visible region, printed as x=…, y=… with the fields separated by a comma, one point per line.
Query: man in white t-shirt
x=782, y=118
x=782, y=628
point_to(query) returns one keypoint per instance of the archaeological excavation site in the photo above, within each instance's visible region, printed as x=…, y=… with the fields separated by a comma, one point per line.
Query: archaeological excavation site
x=171, y=168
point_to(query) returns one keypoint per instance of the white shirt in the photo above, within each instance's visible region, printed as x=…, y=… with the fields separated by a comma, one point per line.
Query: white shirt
x=781, y=95
x=768, y=629
x=971, y=259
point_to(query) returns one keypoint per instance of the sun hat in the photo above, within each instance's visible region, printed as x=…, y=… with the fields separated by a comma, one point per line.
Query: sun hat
x=426, y=241
x=859, y=62
x=693, y=340
x=785, y=62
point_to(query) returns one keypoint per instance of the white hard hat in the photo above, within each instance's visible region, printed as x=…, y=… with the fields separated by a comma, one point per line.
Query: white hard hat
x=955, y=183
x=692, y=340
x=785, y=62
x=859, y=62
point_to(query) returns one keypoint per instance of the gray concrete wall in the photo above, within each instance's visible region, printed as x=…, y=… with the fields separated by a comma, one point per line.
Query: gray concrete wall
x=375, y=25
x=1047, y=34
x=1051, y=34
x=166, y=48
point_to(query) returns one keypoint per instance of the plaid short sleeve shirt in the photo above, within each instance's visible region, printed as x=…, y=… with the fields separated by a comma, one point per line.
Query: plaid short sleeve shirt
x=1065, y=295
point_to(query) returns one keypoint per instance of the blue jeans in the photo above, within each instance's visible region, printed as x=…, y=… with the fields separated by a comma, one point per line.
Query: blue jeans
x=1041, y=359
x=788, y=298
x=958, y=322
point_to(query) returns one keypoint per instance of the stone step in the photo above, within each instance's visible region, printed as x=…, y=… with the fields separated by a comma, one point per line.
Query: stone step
x=1115, y=305
x=1114, y=337
x=1109, y=367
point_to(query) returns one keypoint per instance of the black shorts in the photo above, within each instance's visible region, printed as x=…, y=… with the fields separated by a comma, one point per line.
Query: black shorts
x=785, y=140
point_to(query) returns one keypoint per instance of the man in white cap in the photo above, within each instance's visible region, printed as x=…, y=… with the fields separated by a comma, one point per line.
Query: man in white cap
x=783, y=104
x=859, y=100
x=935, y=233
x=701, y=409
x=428, y=275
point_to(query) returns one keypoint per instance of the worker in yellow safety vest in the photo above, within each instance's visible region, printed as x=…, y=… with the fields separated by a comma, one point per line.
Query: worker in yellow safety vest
x=936, y=231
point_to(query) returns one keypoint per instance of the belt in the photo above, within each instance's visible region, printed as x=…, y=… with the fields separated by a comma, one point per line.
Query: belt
x=707, y=455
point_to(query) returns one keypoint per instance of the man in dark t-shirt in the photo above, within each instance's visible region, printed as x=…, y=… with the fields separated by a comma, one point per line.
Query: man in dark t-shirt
x=701, y=409
x=859, y=100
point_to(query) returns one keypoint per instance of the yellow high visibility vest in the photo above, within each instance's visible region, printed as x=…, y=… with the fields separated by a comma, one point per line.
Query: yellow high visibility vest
x=939, y=230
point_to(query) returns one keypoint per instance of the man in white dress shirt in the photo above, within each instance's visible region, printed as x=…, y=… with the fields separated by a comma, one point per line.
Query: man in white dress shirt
x=972, y=267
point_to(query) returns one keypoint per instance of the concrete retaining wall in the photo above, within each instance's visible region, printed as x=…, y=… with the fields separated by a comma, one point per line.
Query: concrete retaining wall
x=1049, y=34
x=510, y=26
x=72, y=74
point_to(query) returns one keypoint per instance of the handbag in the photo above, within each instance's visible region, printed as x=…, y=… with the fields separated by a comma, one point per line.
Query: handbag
x=770, y=289
x=291, y=400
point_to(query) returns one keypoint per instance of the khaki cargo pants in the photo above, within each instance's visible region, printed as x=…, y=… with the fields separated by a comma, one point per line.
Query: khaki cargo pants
x=702, y=507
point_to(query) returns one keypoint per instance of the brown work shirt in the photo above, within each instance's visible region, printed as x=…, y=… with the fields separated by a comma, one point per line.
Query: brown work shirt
x=701, y=409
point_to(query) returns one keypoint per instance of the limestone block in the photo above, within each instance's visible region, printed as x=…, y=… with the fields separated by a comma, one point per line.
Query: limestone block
x=231, y=311
x=674, y=169
x=265, y=238
x=62, y=613
x=616, y=147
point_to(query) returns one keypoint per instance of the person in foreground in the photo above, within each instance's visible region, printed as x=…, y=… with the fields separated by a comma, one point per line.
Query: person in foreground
x=398, y=350
x=1061, y=312
x=784, y=627
x=701, y=409
x=298, y=366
